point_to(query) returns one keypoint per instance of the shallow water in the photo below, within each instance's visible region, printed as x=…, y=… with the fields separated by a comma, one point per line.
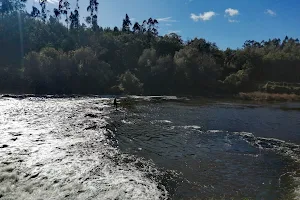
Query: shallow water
x=81, y=148
x=59, y=149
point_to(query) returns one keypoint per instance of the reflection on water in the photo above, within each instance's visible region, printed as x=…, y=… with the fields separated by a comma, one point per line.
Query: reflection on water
x=221, y=151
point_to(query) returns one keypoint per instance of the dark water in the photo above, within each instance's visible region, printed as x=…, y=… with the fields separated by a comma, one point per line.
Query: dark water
x=217, y=150
x=81, y=148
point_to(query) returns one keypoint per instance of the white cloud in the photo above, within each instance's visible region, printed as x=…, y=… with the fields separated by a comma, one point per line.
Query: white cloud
x=173, y=31
x=132, y=19
x=50, y=1
x=270, y=12
x=168, y=24
x=233, y=21
x=231, y=12
x=166, y=19
x=204, y=17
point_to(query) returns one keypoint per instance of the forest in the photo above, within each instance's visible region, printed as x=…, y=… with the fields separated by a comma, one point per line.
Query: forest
x=55, y=53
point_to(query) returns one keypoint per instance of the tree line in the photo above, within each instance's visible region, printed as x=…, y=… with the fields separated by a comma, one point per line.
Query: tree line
x=54, y=53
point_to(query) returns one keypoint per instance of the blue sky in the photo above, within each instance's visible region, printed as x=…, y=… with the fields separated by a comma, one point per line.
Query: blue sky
x=228, y=23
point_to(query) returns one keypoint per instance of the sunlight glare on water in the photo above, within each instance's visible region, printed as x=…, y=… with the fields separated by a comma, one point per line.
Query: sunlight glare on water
x=58, y=149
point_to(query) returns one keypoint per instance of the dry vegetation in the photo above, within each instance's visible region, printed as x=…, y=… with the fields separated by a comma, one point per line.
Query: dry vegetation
x=261, y=96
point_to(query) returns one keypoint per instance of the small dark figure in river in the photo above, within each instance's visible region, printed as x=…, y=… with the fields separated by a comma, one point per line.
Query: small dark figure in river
x=115, y=103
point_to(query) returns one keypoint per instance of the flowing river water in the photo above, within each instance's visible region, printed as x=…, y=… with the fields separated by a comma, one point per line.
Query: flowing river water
x=81, y=148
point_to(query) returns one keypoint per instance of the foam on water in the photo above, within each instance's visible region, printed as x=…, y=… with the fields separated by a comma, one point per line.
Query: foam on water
x=290, y=150
x=154, y=98
x=161, y=121
x=192, y=127
x=61, y=149
x=126, y=122
x=279, y=146
x=215, y=131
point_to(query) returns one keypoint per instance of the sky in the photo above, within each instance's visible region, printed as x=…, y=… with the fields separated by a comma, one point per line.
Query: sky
x=228, y=23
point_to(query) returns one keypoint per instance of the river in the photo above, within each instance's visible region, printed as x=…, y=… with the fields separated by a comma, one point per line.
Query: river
x=81, y=148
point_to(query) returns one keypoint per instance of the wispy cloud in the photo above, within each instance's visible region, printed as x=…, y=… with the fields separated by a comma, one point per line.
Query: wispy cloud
x=204, y=17
x=231, y=12
x=233, y=21
x=132, y=19
x=168, y=24
x=166, y=19
x=50, y=1
x=270, y=12
x=174, y=31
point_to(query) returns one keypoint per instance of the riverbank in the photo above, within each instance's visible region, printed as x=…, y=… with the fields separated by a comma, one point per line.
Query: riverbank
x=262, y=96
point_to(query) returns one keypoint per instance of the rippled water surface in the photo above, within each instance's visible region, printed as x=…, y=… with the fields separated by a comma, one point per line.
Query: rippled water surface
x=81, y=148
x=220, y=150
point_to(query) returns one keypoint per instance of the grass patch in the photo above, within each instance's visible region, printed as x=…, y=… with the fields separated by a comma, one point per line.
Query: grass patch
x=262, y=96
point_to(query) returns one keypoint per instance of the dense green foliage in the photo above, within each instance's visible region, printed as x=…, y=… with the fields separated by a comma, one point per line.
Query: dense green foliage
x=42, y=53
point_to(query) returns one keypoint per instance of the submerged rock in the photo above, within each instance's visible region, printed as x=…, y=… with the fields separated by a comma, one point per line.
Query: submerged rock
x=35, y=175
x=93, y=127
x=3, y=146
x=91, y=115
